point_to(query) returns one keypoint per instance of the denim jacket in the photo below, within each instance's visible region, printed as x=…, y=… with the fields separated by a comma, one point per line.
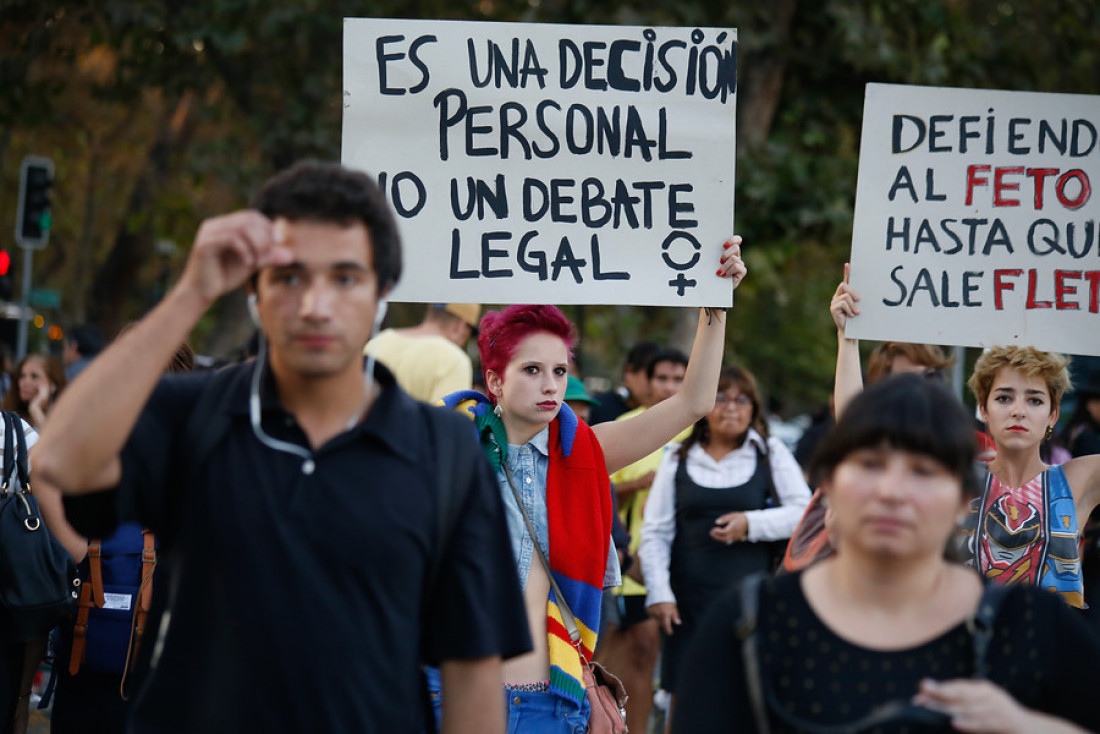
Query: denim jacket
x=529, y=464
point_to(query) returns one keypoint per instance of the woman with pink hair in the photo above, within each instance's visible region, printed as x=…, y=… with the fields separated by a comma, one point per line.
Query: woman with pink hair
x=556, y=469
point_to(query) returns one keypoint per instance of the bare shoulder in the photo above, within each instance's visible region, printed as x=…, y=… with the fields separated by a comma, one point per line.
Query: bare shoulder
x=1083, y=475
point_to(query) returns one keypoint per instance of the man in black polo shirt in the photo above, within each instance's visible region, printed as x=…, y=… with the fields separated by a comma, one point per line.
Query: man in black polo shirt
x=295, y=497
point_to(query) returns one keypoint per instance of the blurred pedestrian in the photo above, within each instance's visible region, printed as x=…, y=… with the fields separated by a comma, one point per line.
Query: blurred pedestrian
x=631, y=393
x=82, y=344
x=19, y=658
x=296, y=497
x=577, y=398
x=5, y=369
x=820, y=425
x=1082, y=432
x=888, y=635
x=429, y=360
x=39, y=378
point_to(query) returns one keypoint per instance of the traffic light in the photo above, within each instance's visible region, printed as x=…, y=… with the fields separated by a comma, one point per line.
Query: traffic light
x=5, y=276
x=33, y=220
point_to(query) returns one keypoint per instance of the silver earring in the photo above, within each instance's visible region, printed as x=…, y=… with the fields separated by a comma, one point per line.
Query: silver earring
x=497, y=411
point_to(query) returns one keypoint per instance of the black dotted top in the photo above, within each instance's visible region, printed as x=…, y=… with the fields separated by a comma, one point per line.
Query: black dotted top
x=1042, y=653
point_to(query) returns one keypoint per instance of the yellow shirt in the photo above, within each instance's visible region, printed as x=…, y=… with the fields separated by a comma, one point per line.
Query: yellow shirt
x=427, y=367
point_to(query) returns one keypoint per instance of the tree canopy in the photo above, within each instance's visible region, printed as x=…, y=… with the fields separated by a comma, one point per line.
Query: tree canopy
x=159, y=113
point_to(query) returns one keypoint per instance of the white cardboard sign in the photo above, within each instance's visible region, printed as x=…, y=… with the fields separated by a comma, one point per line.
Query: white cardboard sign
x=976, y=219
x=548, y=163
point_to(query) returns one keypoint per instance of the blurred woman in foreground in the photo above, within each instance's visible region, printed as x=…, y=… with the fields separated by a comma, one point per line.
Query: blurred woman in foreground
x=882, y=635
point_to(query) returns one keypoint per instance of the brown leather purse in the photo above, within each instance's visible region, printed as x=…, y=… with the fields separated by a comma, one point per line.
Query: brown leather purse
x=607, y=697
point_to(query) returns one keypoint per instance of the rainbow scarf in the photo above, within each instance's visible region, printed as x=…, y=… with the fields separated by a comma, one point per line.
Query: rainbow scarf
x=578, y=504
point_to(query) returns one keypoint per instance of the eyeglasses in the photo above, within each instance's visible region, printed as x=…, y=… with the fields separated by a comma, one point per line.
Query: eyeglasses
x=741, y=401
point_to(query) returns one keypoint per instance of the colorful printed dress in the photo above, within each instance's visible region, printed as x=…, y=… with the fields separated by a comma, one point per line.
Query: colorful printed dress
x=1028, y=535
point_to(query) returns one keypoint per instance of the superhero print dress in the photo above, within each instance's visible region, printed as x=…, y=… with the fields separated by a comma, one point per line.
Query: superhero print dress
x=1028, y=534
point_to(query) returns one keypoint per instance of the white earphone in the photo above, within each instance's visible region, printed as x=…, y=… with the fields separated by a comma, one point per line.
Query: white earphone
x=381, y=315
x=253, y=313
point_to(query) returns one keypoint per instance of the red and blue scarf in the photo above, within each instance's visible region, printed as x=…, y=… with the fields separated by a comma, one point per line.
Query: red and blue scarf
x=578, y=504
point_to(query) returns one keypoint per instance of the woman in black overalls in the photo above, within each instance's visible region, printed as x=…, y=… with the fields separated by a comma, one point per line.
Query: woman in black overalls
x=722, y=506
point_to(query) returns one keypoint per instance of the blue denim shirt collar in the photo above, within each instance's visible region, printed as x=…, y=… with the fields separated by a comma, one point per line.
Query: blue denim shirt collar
x=529, y=465
x=540, y=442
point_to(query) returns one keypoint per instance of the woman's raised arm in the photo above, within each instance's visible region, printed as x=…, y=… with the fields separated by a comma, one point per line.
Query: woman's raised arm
x=624, y=442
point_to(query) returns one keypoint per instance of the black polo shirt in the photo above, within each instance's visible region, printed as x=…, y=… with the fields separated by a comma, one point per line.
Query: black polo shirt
x=297, y=593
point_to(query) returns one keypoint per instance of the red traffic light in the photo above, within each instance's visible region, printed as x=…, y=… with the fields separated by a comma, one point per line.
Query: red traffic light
x=5, y=262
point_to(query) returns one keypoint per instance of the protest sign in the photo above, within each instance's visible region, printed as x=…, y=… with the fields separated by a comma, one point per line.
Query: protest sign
x=975, y=221
x=548, y=163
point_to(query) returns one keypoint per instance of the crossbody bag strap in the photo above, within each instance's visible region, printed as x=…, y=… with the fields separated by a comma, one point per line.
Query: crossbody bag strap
x=566, y=614
x=981, y=625
x=746, y=632
x=9, y=453
x=21, y=464
x=773, y=492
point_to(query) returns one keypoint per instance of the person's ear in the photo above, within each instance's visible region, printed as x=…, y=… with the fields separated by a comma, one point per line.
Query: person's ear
x=494, y=383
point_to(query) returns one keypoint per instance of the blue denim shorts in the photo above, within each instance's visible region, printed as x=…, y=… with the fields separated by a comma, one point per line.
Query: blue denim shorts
x=544, y=713
x=529, y=712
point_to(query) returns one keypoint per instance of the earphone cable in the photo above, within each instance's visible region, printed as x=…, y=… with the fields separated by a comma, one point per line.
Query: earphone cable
x=254, y=413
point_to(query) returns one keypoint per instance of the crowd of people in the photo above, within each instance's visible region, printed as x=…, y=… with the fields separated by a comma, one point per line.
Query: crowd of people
x=370, y=535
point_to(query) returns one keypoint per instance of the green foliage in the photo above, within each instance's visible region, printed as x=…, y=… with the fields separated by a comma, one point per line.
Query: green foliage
x=245, y=87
